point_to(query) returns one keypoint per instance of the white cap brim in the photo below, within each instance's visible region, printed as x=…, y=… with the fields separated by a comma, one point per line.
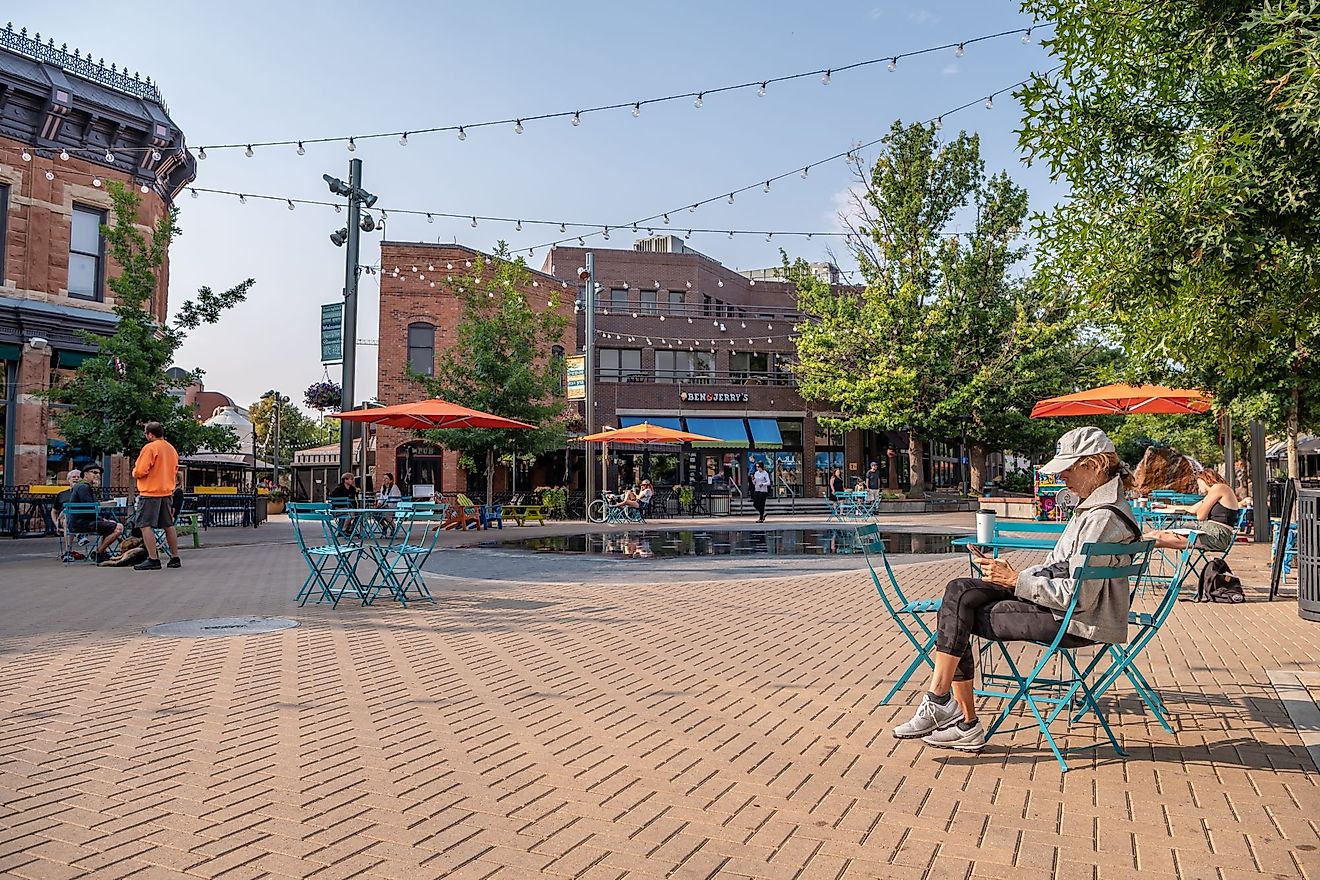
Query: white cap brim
x=1060, y=463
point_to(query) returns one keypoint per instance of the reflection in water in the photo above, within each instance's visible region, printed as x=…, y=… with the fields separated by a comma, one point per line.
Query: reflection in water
x=668, y=543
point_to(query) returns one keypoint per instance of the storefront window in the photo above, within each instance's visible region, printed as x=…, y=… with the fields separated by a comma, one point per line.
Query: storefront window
x=788, y=459
x=8, y=369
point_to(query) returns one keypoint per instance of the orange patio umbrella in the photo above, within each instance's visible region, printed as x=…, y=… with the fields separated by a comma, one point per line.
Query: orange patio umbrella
x=1124, y=399
x=427, y=414
x=647, y=433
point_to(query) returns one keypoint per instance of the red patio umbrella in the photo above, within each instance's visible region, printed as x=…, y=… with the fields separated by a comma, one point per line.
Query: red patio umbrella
x=646, y=433
x=1124, y=399
x=427, y=414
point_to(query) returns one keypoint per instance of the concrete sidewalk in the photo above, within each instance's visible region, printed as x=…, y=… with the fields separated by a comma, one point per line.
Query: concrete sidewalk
x=696, y=729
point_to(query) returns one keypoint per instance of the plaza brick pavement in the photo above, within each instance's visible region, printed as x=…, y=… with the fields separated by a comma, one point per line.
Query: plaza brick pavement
x=625, y=731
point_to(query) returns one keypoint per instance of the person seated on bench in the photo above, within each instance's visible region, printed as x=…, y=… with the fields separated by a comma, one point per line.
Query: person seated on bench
x=107, y=529
x=1216, y=517
x=1012, y=606
x=630, y=500
x=344, y=496
x=646, y=498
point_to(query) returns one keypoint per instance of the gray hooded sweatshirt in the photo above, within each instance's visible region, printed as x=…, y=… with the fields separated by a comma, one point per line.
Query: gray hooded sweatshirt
x=1102, y=606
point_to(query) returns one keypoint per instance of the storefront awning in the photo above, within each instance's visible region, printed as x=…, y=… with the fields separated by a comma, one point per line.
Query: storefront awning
x=765, y=433
x=9, y=352
x=71, y=360
x=670, y=422
x=732, y=433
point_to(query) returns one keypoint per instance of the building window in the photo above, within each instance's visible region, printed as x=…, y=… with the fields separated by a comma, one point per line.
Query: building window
x=86, y=253
x=421, y=349
x=751, y=367
x=4, y=227
x=619, y=299
x=647, y=302
x=693, y=367
x=677, y=300
x=620, y=364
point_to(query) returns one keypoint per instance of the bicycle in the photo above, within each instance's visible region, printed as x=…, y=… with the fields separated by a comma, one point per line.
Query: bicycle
x=609, y=508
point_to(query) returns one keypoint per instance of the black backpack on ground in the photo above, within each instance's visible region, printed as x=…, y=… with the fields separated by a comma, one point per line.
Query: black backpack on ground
x=1218, y=584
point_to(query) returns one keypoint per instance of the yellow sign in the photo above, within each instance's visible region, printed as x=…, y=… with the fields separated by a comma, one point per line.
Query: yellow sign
x=215, y=490
x=576, y=377
x=38, y=489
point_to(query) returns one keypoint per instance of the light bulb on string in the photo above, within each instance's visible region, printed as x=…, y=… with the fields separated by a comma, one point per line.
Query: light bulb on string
x=145, y=188
x=606, y=233
x=766, y=188
x=730, y=198
x=637, y=109
x=577, y=117
x=666, y=219
x=242, y=199
x=352, y=145
x=462, y=135
x=292, y=206
x=939, y=123
x=302, y=151
x=893, y=64
x=474, y=222
x=562, y=228
x=730, y=233
x=50, y=175
x=339, y=209
x=760, y=93
x=990, y=102
x=201, y=154
x=64, y=155
x=1026, y=38
x=248, y=152
x=720, y=283
x=517, y=126
x=825, y=80
x=194, y=193
x=958, y=53
x=430, y=218
x=109, y=156
x=697, y=103
x=634, y=226
x=581, y=243
x=96, y=181
x=403, y=141
x=27, y=157
x=805, y=171
x=155, y=155
x=518, y=226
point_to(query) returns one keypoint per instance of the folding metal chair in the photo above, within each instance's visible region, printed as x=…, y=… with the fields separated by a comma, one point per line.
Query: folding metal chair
x=907, y=614
x=399, y=559
x=71, y=537
x=1066, y=691
x=331, y=560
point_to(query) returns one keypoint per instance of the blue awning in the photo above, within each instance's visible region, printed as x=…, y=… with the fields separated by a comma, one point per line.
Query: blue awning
x=765, y=433
x=731, y=433
x=670, y=422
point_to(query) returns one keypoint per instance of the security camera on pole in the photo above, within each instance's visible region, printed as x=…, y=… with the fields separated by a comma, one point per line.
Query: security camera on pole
x=358, y=198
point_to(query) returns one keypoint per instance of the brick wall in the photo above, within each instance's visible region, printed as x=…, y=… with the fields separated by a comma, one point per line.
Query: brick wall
x=431, y=299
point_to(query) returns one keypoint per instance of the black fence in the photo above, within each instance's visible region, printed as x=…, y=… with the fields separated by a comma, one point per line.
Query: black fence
x=27, y=515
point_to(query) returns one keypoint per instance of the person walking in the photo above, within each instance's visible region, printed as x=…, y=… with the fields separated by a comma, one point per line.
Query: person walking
x=760, y=489
x=155, y=470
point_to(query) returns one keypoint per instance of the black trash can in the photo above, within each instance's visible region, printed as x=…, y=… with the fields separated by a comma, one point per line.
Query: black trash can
x=1308, y=554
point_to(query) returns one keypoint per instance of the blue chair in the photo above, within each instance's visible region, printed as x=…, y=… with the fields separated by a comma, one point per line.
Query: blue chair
x=492, y=514
x=1066, y=691
x=399, y=560
x=908, y=615
x=331, y=556
x=91, y=539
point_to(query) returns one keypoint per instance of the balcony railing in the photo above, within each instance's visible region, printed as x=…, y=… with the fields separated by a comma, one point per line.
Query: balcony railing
x=708, y=377
x=713, y=312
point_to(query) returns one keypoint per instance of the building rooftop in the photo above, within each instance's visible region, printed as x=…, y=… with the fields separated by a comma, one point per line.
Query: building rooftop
x=80, y=65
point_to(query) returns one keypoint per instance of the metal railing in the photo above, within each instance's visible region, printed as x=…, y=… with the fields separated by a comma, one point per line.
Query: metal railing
x=712, y=312
x=80, y=65
x=710, y=377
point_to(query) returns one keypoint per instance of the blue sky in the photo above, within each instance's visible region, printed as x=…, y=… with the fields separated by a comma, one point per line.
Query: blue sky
x=244, y=71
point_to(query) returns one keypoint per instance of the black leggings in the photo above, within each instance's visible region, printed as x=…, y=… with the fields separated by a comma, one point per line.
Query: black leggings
x=976, y=607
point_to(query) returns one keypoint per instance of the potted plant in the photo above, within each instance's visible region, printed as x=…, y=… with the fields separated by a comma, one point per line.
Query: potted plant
x=276, y=500
x=323, y=395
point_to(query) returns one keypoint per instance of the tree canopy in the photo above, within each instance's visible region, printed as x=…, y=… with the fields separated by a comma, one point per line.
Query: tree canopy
x=1188, y=134
x=111, y=395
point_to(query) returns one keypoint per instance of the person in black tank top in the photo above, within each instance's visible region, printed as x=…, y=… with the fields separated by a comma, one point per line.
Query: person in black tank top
x=1217, y=517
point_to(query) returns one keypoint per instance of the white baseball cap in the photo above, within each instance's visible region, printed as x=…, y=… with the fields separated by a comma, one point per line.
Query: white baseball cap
x=1076, y=445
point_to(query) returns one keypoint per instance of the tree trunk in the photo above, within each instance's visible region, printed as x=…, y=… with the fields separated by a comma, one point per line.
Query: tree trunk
x=976, y=455
x=1293, y=471
x=490, y=477
x=916, y=472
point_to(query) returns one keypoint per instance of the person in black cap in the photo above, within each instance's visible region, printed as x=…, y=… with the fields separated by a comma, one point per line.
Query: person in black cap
x=873, y=483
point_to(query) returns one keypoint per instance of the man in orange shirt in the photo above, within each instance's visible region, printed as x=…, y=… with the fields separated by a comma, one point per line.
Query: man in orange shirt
x=155, y=469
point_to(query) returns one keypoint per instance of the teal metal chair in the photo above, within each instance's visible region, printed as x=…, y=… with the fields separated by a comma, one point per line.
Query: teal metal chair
x=909, y=615
x=399, y=559
x=330, y=555
x=91, y=540
x=1066, y=691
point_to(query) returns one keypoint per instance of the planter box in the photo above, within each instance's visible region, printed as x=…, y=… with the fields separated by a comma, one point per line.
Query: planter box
x=1020, y=507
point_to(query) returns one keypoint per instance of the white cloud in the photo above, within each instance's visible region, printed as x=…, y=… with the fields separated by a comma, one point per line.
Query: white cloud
x=951, y=70
x=844, y=212
x=922, y=16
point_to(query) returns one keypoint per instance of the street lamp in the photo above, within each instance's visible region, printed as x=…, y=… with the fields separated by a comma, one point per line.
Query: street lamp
x=358, y=198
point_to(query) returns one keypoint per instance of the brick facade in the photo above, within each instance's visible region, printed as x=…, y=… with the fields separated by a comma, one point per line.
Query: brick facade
x=424, y=292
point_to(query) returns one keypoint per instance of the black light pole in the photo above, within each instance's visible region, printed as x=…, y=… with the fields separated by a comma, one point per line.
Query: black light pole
x=358, y=198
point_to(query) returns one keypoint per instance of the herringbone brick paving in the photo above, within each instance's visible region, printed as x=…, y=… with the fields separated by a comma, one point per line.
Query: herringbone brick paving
x=725, y=729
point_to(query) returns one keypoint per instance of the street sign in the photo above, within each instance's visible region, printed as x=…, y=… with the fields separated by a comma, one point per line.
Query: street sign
x=332, y=333
x=576, y=378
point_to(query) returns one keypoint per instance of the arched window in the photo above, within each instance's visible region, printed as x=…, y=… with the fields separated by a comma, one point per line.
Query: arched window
x=421, y=348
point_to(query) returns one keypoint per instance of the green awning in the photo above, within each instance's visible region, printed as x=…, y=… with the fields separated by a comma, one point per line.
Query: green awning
x=71, y=360
x=9, y=352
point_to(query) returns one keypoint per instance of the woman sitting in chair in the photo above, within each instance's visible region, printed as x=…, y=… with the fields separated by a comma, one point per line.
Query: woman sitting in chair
x=1010, y=606
x=1216, y=517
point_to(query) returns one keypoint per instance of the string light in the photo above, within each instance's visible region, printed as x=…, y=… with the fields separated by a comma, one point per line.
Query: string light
x=109, y=157
x=27, y=157
x=804, y=172
x=242, y=199
x=760, y=93
x=145, y=188
x=518, y=127
x=64, y=155
x=50, y=175
x=352, y=145
x=201, y=154
x=697, y=103
x=939, y=123
x=825, y=80
x=958, y=53
x=990, y=102
x=730, y=198
x=766, y=188
x=96, y=181
x=302, y=151
x=249, y=152
x=291, y=207
x=893, y=64
x=403, y=141
x=462, y=135
x=1026, y=38
x=637, y=109
x=577, y=118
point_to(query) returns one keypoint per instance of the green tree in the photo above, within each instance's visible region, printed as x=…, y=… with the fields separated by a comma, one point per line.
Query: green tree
x=105, y=403
x=1189, y=136
x=501, y=364
x=297, y=429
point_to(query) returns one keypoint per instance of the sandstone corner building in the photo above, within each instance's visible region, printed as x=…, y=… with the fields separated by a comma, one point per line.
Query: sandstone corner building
x=682, y=341
x=60, y=115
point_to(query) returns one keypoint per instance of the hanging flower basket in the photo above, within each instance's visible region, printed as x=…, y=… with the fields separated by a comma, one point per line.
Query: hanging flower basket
x=323, y=395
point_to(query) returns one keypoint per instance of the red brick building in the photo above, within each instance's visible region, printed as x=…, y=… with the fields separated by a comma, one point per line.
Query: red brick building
x=67, y=126
x=681, y=341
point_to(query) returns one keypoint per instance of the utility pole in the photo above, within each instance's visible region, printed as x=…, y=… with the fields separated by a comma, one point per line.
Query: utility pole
x=358, y=198
x=587, y=274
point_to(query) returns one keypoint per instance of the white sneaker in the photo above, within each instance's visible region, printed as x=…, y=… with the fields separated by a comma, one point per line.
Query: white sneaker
x=954, y=737
x=930, y=717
